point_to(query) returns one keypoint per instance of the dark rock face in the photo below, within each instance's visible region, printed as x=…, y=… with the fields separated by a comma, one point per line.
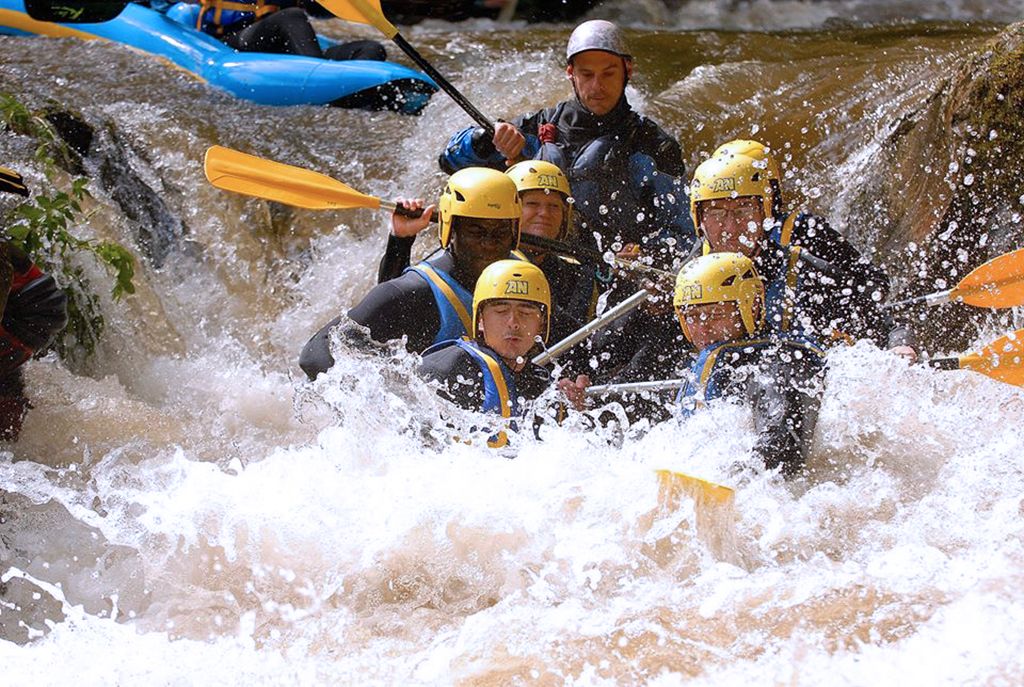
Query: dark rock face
x=950, y=183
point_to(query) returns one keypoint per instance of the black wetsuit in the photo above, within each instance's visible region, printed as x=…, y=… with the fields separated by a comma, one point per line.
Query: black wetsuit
x=781, y=380
x=573, y=287
x=288, y=31
x=626, y=174
x=840, y=293
x=462, y=379
x=399, y=307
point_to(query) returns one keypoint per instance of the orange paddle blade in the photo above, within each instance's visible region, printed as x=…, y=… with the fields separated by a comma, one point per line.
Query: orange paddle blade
x=999, y=283
x=232, y=170
x=361, y=12
x=1003, y=359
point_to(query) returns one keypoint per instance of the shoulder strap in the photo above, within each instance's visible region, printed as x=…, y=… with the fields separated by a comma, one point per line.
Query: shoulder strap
x=504, y=398
x=428, y=271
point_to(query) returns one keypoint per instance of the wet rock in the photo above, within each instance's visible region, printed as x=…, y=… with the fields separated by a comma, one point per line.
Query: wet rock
x=27, y=611
x=128, y=176
x=949, y=182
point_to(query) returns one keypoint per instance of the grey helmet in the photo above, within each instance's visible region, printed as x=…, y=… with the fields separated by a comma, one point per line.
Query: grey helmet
x=597, y=34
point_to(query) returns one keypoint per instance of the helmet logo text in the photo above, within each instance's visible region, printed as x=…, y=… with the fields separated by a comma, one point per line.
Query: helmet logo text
x=691, y=292
x=723, y=185
x=519, y=287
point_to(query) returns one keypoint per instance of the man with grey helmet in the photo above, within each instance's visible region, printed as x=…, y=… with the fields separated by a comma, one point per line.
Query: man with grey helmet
x=625, y=171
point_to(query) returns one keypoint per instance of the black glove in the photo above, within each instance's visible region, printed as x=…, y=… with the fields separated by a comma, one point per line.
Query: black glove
x=483, y=145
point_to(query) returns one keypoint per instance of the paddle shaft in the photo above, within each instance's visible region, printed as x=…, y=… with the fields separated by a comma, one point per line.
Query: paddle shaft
x=634, y=387
x=937, y=298
x=586, y=330
x=478, y=116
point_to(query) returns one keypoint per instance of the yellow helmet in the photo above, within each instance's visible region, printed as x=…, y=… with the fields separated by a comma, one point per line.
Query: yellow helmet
x=478, y=192
x=540, y=175
x=516, y=280
x=720, y=278
x=752, y=149
x=735, y=169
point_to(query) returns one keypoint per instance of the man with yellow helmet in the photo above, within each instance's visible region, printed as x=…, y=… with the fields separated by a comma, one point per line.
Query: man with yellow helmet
x=720, y=304
x=491, y=371
x=547, y=212
x=511, y=312
x=430, y=302
x=815, y=281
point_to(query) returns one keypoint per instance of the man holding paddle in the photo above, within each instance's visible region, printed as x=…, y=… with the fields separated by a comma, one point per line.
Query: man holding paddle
x=547, y=213
x=625, y=171
x=431, y=302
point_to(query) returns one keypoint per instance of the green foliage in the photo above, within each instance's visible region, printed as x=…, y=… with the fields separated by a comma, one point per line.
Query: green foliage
x=42, y=227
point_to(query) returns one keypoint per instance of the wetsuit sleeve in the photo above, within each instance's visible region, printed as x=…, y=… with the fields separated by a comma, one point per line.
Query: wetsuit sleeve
x=471, y=147
x=815, y=235
x=396, y=308
x=462, y=381
x=35, y=311
x=661, y=172
x=397, y=256
x=785, y=395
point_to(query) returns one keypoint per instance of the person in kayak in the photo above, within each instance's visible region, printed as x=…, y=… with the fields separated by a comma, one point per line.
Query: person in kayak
x=547, y=213
x=279, y=27
x=720, y=304
x=816, y=282
x=430, y=302
x=491, y=371
x=626, y=173
x=34, y=311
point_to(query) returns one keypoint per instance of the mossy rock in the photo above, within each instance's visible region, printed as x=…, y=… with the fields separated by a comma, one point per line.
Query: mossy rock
x=950, y=179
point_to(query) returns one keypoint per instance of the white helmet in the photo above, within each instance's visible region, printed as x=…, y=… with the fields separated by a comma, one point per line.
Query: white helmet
x=597, y=34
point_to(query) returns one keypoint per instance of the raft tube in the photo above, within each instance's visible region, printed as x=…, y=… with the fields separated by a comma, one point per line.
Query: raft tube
x=265, y=78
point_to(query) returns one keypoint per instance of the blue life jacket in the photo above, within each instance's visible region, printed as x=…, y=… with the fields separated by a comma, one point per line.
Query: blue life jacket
x=500, y=396
x=454, y=303
x=709, y=378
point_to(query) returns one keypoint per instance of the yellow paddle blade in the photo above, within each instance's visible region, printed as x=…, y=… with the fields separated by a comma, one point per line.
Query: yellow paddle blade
x=1003, y=359
x=11, y=182
x=673, y=486
x=999, y=283
x=713, y=507
x=232, y=170
x=361, y=12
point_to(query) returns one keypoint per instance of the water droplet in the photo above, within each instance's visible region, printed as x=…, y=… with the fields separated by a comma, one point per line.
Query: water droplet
x=968, y=180
x=603, y=209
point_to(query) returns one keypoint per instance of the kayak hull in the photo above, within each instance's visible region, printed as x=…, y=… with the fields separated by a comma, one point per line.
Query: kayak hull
x=265, y=78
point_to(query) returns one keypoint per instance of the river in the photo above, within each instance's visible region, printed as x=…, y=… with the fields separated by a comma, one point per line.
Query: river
x=186, y=509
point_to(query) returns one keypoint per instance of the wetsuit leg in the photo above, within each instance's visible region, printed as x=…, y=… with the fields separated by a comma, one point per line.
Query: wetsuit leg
x=357, y=50
x=285, y=31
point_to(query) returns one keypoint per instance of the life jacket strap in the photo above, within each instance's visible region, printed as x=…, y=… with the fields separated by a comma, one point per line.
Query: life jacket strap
x=427, y=270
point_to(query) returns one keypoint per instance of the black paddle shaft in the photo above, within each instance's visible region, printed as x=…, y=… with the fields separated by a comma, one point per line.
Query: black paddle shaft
x=478, y=116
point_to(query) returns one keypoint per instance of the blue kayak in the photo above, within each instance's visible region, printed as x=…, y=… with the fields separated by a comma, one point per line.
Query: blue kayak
x=265, y=78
